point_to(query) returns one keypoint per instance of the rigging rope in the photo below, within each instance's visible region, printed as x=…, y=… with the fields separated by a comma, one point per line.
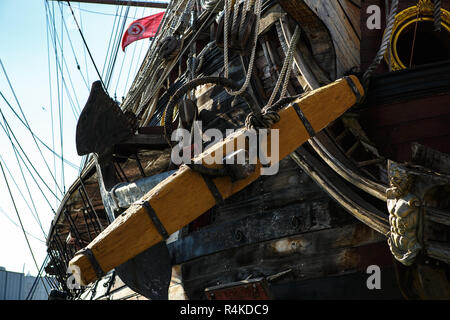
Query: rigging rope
x=384, y=44
x=257, y=11
x=87, y=47
x=286, y=69
x=25, y=118
x=35, y=213
x=121, y=66
x=74, y=55
x=34, y=286
x=51, y=14
x=21, y=224
x=437, y=15
x=38, y=139
x=129, y=69
x=131, y=62
x=219, y=81
x=111, y=37
x=84, y=48
x=116, y=46
x=145, y=98
x=60, y=114
x=2, y=211
x=7, y=130
x=48, y=32
x=211, y=5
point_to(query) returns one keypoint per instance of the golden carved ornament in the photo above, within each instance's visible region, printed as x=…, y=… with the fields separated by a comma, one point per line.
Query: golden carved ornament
x=423, y=11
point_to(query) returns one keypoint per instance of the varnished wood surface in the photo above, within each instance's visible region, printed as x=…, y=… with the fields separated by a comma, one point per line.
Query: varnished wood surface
x=184, y=196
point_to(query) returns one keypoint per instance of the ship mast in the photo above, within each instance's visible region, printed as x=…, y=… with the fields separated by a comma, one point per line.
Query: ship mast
x=150, y=4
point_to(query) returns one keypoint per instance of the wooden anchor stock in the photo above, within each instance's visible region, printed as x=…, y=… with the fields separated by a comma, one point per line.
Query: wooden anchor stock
x=184, y=196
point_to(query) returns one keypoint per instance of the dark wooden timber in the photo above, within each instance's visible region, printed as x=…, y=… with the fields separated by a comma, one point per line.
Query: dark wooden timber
x=338, y=190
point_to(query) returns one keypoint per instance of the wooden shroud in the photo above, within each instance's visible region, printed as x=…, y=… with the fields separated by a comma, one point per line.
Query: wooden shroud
x=184, y=196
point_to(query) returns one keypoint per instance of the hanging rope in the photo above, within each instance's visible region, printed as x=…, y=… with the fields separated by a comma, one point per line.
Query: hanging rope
x=437, y=15
x=227, y=11
x=286, y=69
x=384, y=44
x=211, y=5
x=223, y=82
x=85, y=44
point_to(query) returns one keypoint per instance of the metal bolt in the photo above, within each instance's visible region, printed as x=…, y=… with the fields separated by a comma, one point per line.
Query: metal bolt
x=295, y=222
x=238, y=235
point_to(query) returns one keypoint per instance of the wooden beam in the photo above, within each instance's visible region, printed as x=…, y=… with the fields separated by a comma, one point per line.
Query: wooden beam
x=184, y=196
x=151, y=4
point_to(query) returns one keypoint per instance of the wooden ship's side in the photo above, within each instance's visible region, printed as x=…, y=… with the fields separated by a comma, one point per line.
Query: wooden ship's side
x=370, y=189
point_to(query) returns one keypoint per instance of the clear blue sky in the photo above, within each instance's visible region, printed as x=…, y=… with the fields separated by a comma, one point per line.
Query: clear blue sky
x=24, y=54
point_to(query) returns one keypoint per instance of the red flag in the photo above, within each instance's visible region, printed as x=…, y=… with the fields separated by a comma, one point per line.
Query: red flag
x=141, y=29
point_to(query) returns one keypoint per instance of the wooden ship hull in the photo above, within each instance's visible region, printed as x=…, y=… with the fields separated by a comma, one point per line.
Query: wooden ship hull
x=371, y=189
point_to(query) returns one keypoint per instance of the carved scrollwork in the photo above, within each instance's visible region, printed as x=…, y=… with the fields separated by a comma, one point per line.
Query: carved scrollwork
x=404, y=213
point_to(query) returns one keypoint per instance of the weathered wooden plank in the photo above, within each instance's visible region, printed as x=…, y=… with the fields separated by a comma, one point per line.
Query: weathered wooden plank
x=349, y=200
x=184, y=196
x=438, y=216
x=317, y=246
x=345, y=39
x=438, y=250
x=257, y=227
x=329, y=152
x=352, y=12
x=318, y=36
x=327, y=252
x=430, y=158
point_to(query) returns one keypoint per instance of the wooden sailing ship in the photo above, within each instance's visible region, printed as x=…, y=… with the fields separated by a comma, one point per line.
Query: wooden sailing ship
x=371, y=189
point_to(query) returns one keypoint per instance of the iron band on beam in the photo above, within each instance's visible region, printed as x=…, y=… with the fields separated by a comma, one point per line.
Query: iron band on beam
x=90, y=255
x=156, y=222
x=355, y=90
x=303, y=118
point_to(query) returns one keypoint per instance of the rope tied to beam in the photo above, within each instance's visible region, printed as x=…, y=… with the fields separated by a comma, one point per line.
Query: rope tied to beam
x=269, y=114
